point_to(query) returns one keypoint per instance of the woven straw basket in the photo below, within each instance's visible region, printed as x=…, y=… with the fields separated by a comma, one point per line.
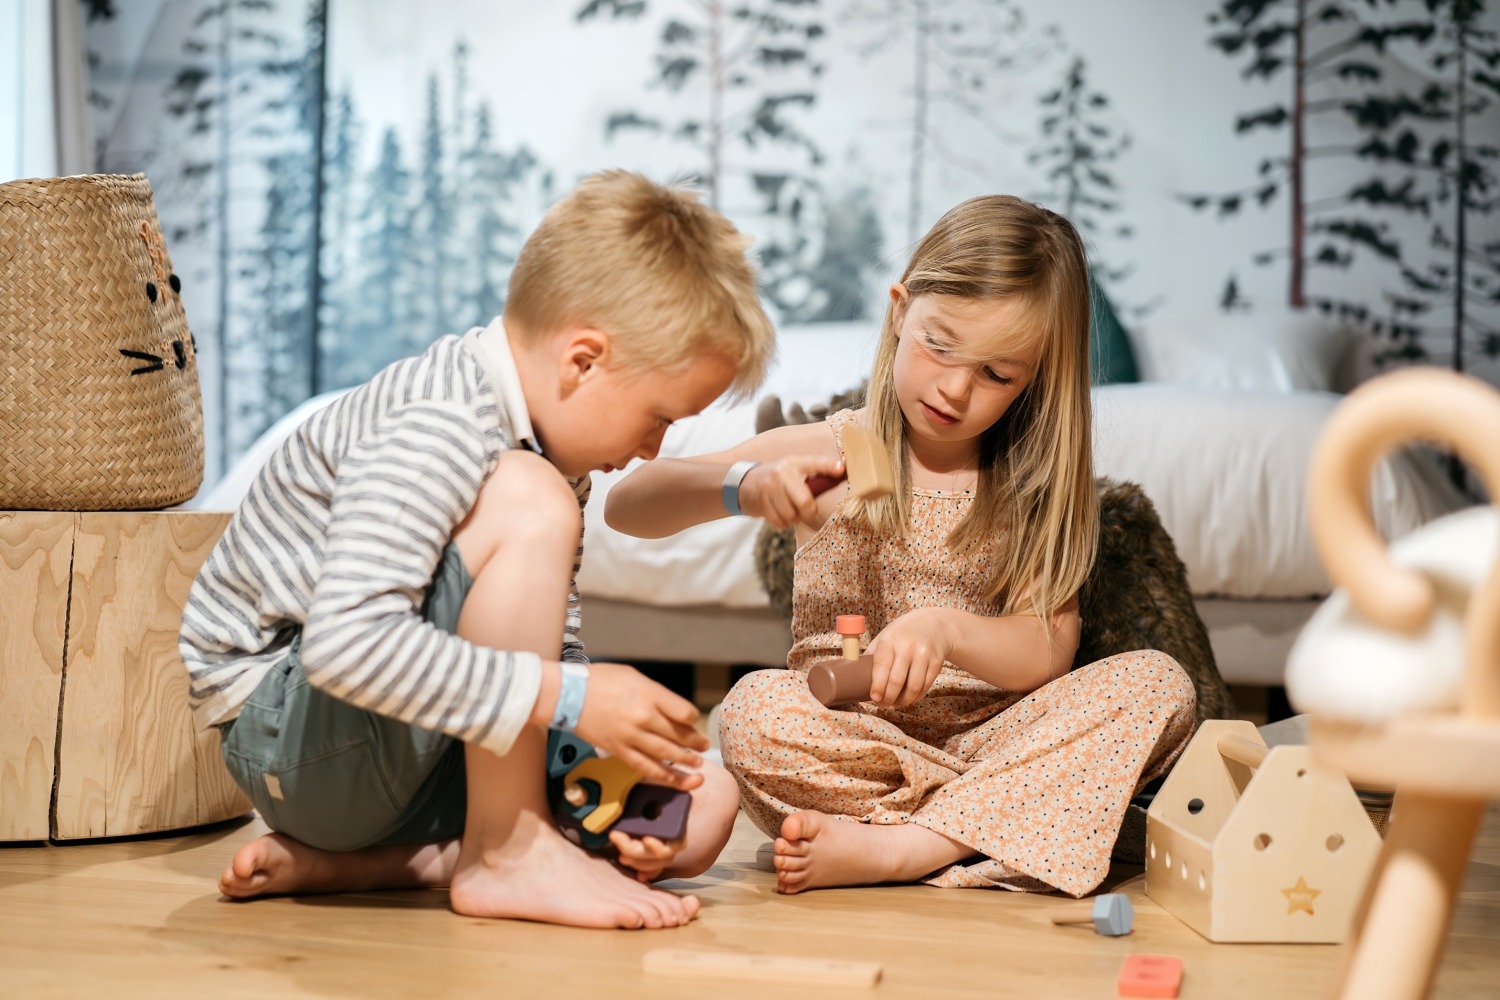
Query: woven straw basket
x=99, y=403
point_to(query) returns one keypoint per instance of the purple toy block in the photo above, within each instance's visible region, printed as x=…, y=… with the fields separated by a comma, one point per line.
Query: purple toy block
x=654, y=811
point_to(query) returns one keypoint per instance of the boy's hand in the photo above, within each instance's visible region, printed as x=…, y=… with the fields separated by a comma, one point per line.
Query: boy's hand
x=909, y=654
x=647, y=857
x=642, y=723
x=779, y=491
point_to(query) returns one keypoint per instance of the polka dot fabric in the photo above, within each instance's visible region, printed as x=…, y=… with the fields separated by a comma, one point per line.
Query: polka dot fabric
x=1037, y=784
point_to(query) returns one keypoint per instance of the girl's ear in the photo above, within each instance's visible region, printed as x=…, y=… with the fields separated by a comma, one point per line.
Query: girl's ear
x=584, y=351
x=900, y=299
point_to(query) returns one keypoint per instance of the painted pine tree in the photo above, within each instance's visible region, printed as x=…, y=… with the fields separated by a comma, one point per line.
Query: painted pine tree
x=232, y=91
x=433, y=224
x=1464, y=272
x=281, y=267
x=337, y=273
x=738, y=77
x=384, y=305
x=962, y=58
x=1348, y=104
x=1080, y=142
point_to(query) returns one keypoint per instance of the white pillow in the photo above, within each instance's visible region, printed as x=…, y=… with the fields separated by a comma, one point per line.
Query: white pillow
x=1227, y=472
x=1276, y=351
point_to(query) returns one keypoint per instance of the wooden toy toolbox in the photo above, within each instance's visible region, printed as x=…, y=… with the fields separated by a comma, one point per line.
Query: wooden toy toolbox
x=1245, y=843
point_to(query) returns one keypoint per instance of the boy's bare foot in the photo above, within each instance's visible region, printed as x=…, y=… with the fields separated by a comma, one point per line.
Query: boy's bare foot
x=277, y=865
x=816, y=851
x=537, y=875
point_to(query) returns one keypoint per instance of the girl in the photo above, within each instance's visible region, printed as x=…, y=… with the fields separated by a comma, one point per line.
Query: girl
x=980, y=760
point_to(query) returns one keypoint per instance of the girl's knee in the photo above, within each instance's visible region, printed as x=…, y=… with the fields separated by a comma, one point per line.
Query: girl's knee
x=1166, y=681
x=752, y=695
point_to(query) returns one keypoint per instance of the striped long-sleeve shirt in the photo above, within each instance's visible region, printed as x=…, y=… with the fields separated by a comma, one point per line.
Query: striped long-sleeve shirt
x=339, y=538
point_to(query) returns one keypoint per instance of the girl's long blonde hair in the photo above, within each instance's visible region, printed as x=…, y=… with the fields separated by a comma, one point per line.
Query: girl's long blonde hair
x=1036, y=478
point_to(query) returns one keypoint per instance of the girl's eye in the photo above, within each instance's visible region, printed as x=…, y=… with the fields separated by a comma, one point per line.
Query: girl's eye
x=996, y=377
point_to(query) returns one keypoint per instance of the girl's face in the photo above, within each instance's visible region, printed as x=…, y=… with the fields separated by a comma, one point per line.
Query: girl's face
x=960, y=363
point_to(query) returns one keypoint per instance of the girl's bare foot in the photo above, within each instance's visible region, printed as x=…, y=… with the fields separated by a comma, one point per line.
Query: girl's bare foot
x=277, y=865
x=535, y=874
x=816, y=850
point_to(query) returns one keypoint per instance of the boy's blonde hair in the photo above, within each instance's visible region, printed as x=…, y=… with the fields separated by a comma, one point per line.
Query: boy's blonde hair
x=665, y=276
x=1036, y=478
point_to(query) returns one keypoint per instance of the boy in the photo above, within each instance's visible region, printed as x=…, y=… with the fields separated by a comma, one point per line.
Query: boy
x=348, y=632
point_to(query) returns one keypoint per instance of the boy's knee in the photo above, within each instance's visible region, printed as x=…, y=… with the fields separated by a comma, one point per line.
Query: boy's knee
x=527, y=497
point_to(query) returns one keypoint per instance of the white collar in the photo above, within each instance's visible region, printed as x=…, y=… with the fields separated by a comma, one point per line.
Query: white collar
x=491, y=345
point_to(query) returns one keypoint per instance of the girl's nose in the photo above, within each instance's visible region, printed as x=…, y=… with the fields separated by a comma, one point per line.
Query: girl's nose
x=954, y=382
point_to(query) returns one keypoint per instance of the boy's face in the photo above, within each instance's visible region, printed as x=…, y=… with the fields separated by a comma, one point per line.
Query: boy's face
x=604, y=416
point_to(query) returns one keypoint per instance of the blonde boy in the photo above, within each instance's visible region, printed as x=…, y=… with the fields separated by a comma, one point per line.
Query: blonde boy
x=388, y=627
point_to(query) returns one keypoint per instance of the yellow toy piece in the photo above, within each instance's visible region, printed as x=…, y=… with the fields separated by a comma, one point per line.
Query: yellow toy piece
x=615, y=779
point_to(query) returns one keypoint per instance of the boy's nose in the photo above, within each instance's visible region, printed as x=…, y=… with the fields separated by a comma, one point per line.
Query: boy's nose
x=651, y=445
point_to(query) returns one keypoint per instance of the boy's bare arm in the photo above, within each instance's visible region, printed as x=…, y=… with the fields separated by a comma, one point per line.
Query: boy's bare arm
x=664, y=496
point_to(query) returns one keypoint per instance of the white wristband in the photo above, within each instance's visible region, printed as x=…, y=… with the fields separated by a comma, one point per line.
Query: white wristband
x=732, y=480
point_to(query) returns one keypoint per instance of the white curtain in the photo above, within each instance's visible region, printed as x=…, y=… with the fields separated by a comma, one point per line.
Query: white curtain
x=70, y=91
x=44, y=128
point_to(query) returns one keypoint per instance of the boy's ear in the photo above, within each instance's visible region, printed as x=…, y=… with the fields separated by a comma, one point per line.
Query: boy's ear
x=584, y=351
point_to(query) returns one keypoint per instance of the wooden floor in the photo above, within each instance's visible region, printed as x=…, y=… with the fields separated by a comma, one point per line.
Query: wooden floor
x=142, y=918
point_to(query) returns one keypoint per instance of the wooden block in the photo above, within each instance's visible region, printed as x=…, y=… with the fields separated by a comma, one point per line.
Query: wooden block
x=738, y=966
x=1150, y=976
x=129, y=759
x=867, y=462
x=36, y=552
x=614, y=779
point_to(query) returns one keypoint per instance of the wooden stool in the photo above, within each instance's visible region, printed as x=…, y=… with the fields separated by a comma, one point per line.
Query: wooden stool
x=93, y=696
x=1444, y=763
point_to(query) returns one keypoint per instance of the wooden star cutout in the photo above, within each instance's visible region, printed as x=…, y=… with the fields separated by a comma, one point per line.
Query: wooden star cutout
x=1300, y=897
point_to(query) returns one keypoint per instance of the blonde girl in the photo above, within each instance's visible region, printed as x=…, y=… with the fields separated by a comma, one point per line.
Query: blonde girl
x=981, y=758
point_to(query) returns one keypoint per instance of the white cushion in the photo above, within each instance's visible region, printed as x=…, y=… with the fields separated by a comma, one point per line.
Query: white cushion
x=1227, y=472
x=1278, y=351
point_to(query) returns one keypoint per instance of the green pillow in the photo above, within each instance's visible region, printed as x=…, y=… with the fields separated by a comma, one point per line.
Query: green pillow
x=1110, y=357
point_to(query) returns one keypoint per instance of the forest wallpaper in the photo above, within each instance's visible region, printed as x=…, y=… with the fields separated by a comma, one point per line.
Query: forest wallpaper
x=342, y=182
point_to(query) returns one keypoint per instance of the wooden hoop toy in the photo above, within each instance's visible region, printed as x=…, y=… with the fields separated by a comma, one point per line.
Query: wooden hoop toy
x=1442, y=755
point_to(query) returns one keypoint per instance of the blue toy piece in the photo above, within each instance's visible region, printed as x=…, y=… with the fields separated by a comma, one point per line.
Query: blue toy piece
x=564, y=751
x=648, y=810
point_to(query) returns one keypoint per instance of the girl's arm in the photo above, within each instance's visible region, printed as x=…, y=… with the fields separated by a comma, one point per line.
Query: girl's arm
x=1012, y=653
x=666, y=495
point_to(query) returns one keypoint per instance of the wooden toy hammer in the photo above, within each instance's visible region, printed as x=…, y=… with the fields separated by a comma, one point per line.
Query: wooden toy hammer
x=1111, y=914
x=846, y=681
x=866, y=465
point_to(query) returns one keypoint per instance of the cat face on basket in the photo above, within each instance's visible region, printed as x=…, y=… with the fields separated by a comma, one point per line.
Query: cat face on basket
x=163, y=292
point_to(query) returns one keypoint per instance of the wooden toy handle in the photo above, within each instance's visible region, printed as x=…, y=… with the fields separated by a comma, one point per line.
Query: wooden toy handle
x=822, y=484
x=1243, y=751
x=1418, y=403
x=1080, y=911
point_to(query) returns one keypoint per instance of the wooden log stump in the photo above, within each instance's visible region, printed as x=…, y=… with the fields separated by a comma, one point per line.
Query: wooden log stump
x=128, y=760
x=35, y=561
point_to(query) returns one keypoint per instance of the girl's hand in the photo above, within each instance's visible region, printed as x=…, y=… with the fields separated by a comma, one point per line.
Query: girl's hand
x=778, y=491
x=909, y=654
x=648, y=857
x=648, y=727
